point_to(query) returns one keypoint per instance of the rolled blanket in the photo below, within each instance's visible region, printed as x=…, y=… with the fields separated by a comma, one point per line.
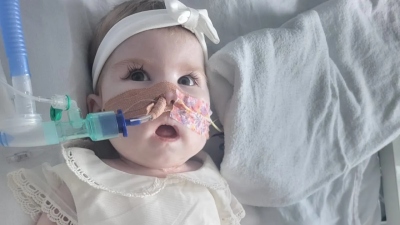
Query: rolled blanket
x=303, y=104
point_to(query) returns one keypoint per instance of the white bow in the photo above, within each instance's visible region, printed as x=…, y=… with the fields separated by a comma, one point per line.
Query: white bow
x=197, y=21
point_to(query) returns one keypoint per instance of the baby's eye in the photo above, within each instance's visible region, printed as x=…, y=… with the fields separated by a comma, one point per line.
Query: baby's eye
x=187, y=80
x=138, y=75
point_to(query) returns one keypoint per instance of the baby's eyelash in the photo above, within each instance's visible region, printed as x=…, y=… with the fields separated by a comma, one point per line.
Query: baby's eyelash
x=195, y=78
x=132, y=68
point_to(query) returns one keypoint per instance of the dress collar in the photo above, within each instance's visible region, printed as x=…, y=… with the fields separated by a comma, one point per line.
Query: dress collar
x=93, y=171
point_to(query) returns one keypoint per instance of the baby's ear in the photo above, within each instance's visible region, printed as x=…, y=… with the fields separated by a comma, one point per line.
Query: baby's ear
x=94, y=103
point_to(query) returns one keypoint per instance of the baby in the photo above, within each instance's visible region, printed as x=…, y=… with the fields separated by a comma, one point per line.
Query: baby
x=148, y=59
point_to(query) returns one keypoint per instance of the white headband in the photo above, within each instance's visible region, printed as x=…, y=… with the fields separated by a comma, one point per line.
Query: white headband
x=176, y=13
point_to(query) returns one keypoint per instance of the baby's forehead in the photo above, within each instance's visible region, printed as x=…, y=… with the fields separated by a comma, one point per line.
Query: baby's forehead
x=163, y=43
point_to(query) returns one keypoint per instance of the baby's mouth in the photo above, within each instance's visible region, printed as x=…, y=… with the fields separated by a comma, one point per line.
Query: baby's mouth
x=167, y=132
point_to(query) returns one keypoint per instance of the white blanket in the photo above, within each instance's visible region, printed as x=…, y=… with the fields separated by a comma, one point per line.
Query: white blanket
x=303, y=104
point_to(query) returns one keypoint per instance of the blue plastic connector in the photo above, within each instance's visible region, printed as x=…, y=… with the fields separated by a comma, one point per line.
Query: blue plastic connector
x=121, y=123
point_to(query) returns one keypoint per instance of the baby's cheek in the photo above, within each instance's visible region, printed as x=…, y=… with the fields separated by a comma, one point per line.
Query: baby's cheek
x=120, y=144
x=195, y=142
x=134, y=138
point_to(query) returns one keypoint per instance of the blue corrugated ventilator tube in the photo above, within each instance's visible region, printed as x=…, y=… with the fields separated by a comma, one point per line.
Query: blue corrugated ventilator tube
x=14, y=44
x=26, y=128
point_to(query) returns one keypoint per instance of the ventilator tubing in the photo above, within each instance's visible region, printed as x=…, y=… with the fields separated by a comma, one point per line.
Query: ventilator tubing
x=29, y=133
x=14, y=44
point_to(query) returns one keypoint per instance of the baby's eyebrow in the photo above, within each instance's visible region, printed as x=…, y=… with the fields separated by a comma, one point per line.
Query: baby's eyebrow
x=136, y=62
x=194, y=69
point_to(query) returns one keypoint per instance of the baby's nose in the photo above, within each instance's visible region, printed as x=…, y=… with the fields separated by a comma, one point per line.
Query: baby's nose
x=170, y=97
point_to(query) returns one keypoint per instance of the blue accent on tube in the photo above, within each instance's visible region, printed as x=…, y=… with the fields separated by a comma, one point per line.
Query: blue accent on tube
x=13, y=37
x=121, y=123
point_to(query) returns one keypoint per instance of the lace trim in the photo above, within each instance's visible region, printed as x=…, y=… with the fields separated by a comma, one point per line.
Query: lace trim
x=214, y=186
x=34, y=201
x=234, y=220
x=143, y=192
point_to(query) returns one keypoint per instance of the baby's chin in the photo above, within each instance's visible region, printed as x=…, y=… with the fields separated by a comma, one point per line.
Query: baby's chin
x=161, y=162
x=161, y=169
x=154, y=168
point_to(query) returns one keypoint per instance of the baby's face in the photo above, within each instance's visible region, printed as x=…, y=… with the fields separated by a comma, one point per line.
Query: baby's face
x=142, y=61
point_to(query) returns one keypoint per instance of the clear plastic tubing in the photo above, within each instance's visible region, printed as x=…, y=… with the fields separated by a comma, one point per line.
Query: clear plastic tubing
x=14, y=43
x=97, y=126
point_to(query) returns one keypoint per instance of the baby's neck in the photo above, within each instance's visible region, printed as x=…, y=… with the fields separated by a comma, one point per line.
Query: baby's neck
x=133, y=168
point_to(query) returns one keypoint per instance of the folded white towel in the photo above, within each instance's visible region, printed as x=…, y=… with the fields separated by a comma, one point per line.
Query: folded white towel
x=305, y=103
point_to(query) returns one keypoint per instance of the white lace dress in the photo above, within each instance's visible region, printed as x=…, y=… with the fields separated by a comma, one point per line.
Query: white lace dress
x=86, y=191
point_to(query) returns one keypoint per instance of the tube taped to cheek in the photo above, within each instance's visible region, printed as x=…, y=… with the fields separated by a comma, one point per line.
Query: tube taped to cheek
x=192, y=112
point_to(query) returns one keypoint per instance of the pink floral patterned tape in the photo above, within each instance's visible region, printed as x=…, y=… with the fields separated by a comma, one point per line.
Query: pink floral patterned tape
x=192, y=112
